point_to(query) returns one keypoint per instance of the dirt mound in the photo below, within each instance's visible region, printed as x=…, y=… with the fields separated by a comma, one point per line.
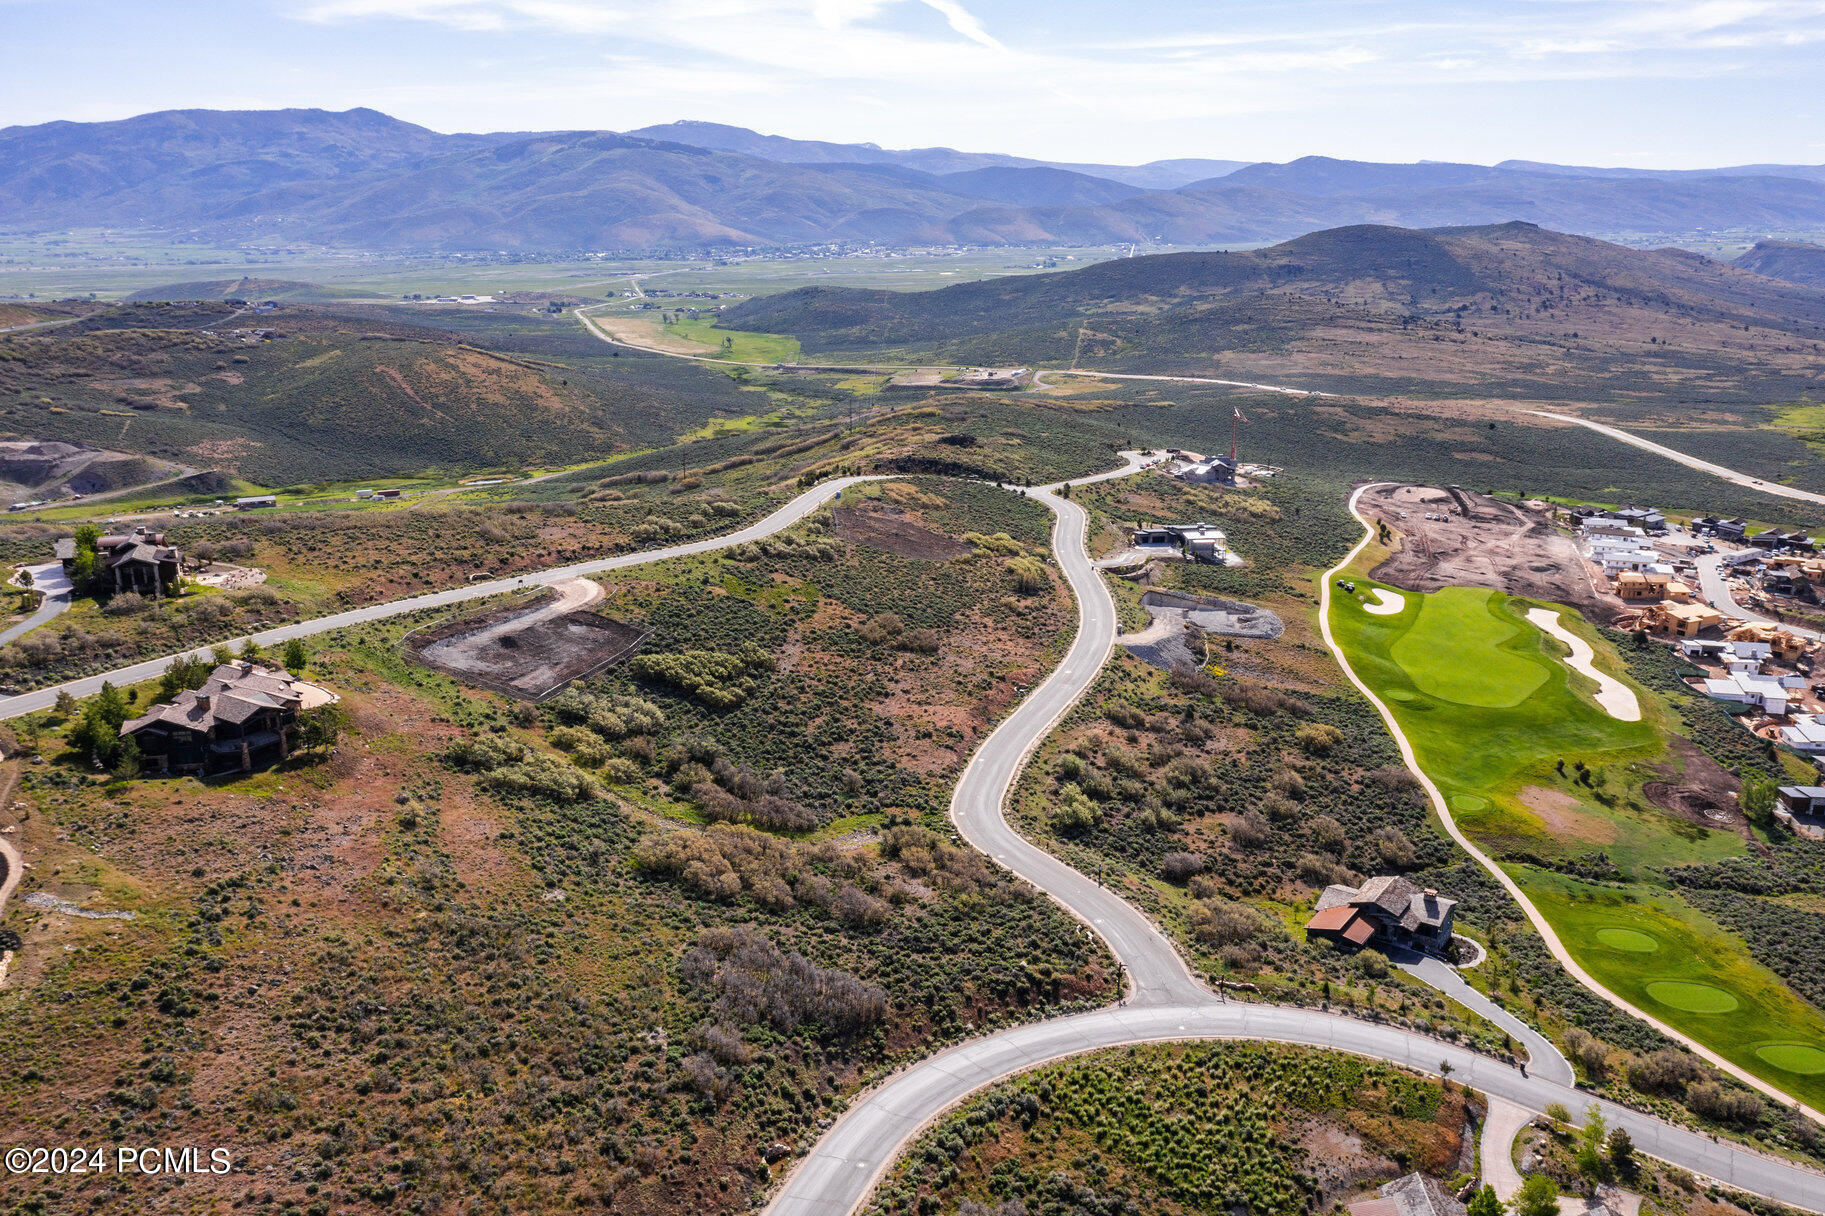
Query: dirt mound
x=1476, y=541
x=891, y=531
x=1699, y=791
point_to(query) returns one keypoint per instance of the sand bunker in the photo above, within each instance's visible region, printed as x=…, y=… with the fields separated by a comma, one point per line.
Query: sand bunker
x=1387, y=602
x=1612, y=694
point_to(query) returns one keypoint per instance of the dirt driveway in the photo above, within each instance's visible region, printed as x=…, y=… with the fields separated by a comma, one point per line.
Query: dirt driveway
x=1477, y=541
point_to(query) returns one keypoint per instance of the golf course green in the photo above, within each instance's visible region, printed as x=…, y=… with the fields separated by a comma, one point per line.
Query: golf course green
x=1458, y=620
x=1692, y=998
x=1630, y=941
x=1532, y=767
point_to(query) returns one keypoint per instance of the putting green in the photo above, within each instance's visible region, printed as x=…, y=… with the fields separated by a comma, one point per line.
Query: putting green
x=1692, y=998
x=1455, y=651
x=1469, y=802
x=1803, y=1058
x=1630, y=941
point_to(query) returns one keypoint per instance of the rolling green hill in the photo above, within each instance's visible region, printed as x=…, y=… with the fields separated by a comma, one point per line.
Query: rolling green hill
x=335, y=396
x=1510, y=309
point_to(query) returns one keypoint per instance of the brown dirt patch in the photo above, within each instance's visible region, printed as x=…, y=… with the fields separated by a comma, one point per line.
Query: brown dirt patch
x=1565, y=818
x=1482, y=542
x=530, y=662
x=1700, y=791
x=892, y=531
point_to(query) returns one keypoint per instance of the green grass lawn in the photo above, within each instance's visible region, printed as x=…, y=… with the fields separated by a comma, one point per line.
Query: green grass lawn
x=1458, y=619
x=1657, y=952
x=1492, y=711
x=744, y=346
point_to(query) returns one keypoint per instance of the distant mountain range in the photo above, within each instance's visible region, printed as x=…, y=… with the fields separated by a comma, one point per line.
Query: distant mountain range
x=362, y=179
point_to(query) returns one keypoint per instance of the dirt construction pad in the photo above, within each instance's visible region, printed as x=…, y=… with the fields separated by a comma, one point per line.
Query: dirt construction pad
x=529, y=652
x=1477, y=541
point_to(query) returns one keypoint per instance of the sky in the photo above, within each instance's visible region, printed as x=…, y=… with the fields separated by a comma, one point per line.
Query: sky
x=1645, y=83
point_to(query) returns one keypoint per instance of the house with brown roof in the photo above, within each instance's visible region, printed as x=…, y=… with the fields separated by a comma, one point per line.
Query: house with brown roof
x=1388, y=911
x=243, y=716
x=139, y=560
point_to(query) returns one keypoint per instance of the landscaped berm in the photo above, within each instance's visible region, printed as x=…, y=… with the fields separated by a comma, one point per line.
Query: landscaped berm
x=1535, y=769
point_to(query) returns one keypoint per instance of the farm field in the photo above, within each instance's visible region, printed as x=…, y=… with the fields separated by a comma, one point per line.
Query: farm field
x=695, y=335
x=1543, y=777
x=114, y=264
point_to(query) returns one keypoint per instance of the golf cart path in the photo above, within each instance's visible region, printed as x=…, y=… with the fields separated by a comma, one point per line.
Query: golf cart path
x=1614, y=697
x=1166, y=1001
x=1540, y=923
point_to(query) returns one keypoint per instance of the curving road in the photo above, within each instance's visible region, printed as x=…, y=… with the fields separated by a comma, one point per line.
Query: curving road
x=590, y=324
x=1166, y=1002
x=1691, y=462
x=1443, y=810
x=787, y=515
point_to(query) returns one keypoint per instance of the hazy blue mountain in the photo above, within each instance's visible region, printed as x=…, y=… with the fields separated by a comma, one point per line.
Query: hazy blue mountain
x=1810, y=173
x=1156, y=175
x=359, y=178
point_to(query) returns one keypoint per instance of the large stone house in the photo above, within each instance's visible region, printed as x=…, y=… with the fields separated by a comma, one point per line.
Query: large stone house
x=243, y=716
x=135, y=561
x=1387, y=911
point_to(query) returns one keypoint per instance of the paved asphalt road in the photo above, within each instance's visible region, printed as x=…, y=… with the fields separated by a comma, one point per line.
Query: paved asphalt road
x=835, y=1178
x=784, y=517
x=1166, y=1002
x=1716, y=591
x=1691, y=462
x=50, y=578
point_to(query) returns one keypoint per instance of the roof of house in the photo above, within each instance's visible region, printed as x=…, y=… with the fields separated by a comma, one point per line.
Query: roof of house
x=1417, y=1195
x=233, y=693
x=1804, y=791
x=151, y=555
x=1389, y=897
x=1346, y=921
x=1805, y=728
